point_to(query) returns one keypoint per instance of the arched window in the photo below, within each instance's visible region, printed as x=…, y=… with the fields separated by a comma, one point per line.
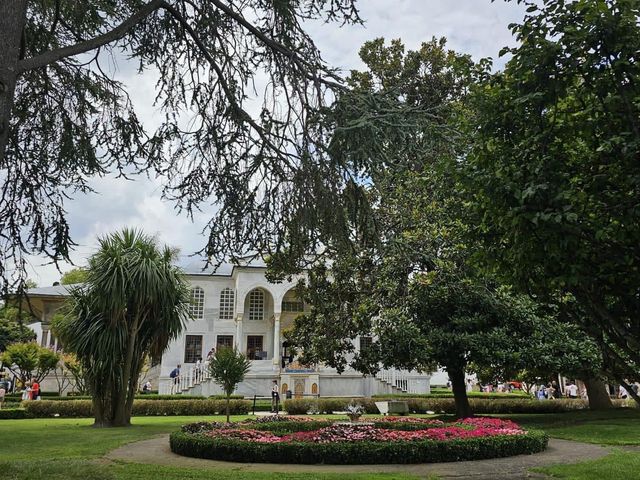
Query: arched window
x=314, y=388
x=227, y=304
x=285, y=387
x=256, y=305
x=196, y=307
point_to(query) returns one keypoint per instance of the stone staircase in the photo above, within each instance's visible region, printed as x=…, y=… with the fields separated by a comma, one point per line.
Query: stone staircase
x=403, y=381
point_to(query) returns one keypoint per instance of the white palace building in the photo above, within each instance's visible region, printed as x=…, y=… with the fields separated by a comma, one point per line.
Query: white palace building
x=236, y=306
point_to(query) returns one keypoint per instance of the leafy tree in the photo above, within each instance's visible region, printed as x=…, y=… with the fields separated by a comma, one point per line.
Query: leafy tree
x=70, y=373
x=133, y=303
x=29, y=360
x=399, y=267
x=555, y=167
x=76, y=275
x=13, y=328
x=64, y=118
x=228, y=368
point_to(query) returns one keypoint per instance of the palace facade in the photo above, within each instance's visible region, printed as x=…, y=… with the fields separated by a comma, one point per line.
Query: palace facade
x=236, y=306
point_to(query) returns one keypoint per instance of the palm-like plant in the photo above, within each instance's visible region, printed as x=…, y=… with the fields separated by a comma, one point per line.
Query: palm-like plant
x=228, y=368
x=134, y=302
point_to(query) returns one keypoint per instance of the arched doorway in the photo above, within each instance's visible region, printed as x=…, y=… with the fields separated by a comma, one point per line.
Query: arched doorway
x=298, y=391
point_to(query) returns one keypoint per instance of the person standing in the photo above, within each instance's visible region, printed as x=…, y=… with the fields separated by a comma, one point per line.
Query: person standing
x=572, y=390
x=35, y=390
x=622, y=393
x=275, y=397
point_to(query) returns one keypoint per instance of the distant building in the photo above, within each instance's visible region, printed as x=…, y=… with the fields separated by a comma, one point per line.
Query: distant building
x=236, y=306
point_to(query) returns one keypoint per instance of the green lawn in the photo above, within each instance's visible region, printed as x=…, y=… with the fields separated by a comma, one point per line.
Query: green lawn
x=617, y=427
x=60, y=449
x=71, y=449
x=620, y=464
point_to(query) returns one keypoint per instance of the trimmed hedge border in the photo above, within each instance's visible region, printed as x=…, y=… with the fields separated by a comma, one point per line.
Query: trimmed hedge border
x=83, y=408
x=357, y=453
x=13, y=414
x=150, y=396
x=480, y=406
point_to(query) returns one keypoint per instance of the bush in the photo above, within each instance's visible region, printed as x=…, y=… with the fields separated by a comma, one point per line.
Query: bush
x=13, y=414
x=282, y=428
x=83, y=408
x=331, y=405
x=428, y=451
x=300, y=406
x=449, y=394
x=496, y=406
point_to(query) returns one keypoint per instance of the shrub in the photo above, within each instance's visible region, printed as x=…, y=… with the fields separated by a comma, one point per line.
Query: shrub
x=49, y=408
x=362, y=452
x=13, y=413
x=282, y=428
x=83, y=408
x=331, y=405
x=496, y=406
x=300, y=406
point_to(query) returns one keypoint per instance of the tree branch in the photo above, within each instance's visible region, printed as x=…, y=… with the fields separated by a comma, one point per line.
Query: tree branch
x=117, y=33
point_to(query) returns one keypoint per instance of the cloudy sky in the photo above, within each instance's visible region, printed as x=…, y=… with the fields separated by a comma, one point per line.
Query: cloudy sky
x=477, y=27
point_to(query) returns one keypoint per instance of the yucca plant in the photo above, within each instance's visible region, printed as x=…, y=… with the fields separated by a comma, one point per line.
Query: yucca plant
x=134, y=302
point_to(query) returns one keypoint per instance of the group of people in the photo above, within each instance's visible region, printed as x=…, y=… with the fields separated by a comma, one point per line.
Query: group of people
x=30, y=391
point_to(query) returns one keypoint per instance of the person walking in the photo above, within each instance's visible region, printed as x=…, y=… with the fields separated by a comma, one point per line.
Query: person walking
x=275, y=397
x=175, y=376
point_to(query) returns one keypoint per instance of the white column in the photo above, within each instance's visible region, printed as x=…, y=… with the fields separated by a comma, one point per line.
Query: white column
x=239, y=331
x=276, y=339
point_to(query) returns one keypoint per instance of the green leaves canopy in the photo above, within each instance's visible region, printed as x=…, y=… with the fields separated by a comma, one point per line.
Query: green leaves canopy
x=134, y=302
x=555, y=167
x=228, y=368
x=29, y=360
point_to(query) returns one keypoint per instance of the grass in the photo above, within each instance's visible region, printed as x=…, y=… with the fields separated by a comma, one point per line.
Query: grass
x=55, y=449
x=60, y=449
x=620, y=464
x=82, y=470
x=616, y=427
x=75, y=438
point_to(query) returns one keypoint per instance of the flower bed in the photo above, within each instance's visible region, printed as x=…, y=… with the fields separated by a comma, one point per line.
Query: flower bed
x=309, y=441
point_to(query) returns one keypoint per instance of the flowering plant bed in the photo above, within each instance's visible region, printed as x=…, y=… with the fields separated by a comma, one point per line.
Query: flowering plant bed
x=406, y=440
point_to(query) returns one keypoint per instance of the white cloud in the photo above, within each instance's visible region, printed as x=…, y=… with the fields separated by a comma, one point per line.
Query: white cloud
x=477, y=27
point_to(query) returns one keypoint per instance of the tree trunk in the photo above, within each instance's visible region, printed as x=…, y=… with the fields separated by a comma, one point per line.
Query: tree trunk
x=228, y=399
x=13, y=16
x=463, y=409
x=597, y=392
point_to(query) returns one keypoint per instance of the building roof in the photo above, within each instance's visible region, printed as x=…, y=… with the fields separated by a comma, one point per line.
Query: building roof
x=54, y=291
x=194, y=266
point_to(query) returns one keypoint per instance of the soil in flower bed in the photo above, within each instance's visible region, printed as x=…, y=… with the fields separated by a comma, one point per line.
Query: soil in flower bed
x=281, y=439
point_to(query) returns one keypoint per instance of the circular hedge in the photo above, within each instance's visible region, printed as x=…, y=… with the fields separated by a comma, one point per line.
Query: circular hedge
x=406, y=440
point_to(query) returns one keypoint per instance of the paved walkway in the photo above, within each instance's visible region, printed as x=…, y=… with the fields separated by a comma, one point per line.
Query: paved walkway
x=156, y=451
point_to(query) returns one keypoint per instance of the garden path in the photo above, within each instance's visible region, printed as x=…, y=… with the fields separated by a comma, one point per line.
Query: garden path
x=156, y=451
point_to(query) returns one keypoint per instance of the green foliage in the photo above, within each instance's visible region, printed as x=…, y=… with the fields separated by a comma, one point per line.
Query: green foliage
x=68, y=120
x=554, y=167
x=74, y=276
x=228, y=368
x=13, y=414
x=134, y=302
x=300, y=406
x=345, y=453
x=13, y=328
x=84, y=408
x=29, y=360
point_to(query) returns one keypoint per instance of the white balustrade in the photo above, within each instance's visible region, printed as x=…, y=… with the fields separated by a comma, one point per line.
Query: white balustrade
x=402, y=380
